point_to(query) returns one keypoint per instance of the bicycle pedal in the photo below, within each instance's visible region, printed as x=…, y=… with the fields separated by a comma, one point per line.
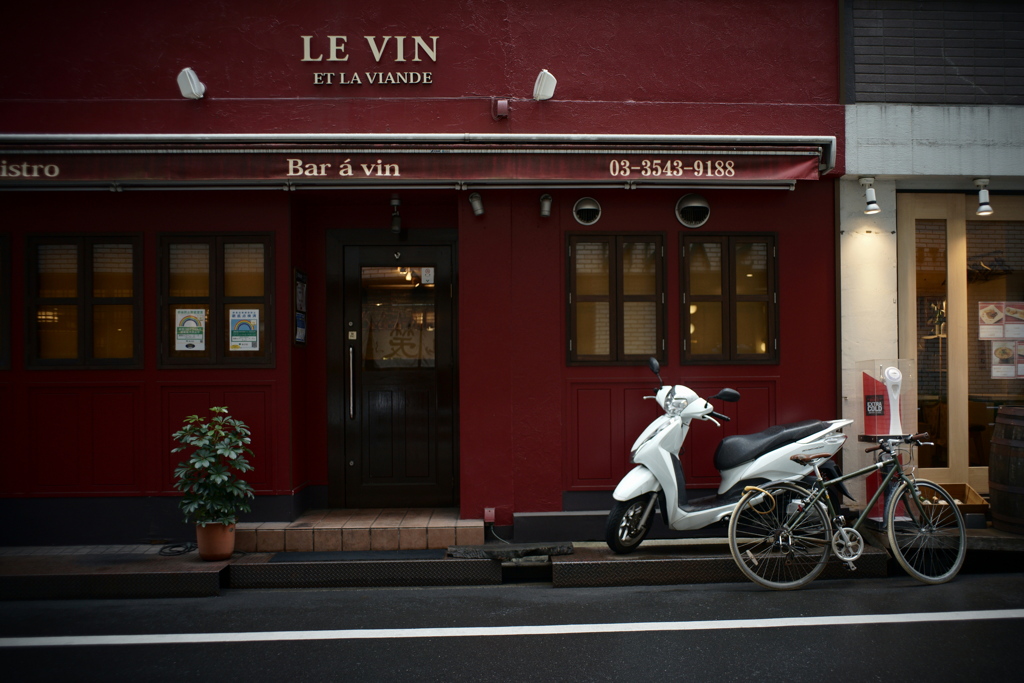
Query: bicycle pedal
x=850, y=567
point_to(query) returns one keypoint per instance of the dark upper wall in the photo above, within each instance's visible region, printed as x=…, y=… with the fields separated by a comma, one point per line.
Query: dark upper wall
x=655, y=66
x=915, y=52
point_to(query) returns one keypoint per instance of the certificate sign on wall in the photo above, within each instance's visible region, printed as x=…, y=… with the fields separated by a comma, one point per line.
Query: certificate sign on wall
x=244, y=329
x=189, y=329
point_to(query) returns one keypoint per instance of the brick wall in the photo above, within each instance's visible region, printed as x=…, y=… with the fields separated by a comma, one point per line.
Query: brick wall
x=935, y=52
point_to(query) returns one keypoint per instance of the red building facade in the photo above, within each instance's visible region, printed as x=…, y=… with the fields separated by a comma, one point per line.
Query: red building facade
x=392, y=237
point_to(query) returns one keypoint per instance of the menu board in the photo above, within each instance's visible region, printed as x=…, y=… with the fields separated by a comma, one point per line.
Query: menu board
x=1002, y=323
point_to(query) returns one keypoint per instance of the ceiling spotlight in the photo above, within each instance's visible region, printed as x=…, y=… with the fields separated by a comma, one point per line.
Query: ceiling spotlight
x=396, y=220
x=545, y=205
x=190, y=85
x=477, y=203
x=984, y=208
x=871, y=206
x=544, y=87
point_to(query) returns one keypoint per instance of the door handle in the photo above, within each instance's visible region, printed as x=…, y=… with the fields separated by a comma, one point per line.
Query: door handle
x=351, y=383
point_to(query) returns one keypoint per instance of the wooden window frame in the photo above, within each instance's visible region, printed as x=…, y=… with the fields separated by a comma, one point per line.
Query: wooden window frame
x=84, y=300
x=616, y=299
x=217, y=301
x=729, y=299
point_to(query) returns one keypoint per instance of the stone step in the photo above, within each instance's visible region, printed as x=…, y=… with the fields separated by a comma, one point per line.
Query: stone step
x=361, y=530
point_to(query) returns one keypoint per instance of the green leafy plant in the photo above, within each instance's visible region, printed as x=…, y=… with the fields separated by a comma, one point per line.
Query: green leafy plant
x=213, y=493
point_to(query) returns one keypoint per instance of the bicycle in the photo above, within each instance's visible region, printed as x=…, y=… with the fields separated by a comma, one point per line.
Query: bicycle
x=780, y=534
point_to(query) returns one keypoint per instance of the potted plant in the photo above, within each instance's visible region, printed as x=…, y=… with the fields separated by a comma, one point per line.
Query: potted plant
x=214, y=495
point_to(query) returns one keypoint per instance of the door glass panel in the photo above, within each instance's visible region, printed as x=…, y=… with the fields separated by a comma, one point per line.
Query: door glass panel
x=704, y=261
x=751, y=268
x=639, y=269
x=592, y=269
x=112, y=270
x=243, y=269
x=112, y=331
x=932, y=346
x=398, y=317
x=593, y=328
x=58, y=331
x=640, y=328
x=706, y=328
x=995, y=328
x=58, y=271
x=751, y=327
x=190, y=270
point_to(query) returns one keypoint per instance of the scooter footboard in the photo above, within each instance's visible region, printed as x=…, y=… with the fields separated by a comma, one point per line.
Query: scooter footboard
x=637, y=482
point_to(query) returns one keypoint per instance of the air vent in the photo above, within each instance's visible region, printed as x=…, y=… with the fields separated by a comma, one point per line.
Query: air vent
x=692, y=210
x=587, y=211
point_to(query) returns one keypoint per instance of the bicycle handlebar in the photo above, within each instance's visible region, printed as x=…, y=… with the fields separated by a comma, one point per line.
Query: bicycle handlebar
x=886, y=444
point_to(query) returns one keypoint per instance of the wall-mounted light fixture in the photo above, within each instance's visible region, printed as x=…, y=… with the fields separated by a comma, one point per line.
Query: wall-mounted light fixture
x=396, y=220
x=190, y=85
x=984, y=208
x=871, y=206
x=545, y=205
x=544, y=87
x=477, y=202
x=499, y=108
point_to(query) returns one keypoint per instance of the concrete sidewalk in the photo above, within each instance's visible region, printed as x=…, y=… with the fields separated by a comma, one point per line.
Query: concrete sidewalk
x=140, y=571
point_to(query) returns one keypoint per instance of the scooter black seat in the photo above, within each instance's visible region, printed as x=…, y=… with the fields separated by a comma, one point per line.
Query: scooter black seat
x=733, y=451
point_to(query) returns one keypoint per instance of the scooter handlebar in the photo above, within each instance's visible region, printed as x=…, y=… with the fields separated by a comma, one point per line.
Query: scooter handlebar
x=720, y=416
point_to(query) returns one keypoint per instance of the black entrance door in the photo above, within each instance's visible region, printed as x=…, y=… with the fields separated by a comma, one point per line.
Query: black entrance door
x=397, y=379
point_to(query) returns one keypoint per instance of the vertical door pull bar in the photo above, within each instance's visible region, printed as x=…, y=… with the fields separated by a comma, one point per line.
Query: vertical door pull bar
x=351, y=383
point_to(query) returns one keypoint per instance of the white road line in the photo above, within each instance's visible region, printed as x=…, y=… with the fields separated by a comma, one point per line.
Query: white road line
x=491, y=631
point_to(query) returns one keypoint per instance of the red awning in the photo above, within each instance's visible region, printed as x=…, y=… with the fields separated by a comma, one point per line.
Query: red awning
x=63, y=160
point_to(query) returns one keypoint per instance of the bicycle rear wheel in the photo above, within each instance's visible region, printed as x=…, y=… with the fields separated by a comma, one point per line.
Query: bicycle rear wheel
x=926, y=532
x=766, y=544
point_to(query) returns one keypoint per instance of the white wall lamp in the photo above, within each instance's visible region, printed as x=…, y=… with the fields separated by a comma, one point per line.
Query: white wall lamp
x=871, y=206
x=984, y=208
x=190, y=85
x=545, y=205
x=396, y=220
x=477, y=202
x=544, y=87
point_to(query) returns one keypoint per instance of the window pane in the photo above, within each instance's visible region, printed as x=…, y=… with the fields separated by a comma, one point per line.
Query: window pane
x=640, y=328
x=751, y=268
x=704, y=260
x=592, y=269
x=243, y=270
x=593, y=329
x=58, y=271
x=190, y=270
x=112, y=270
x=995, y=348
x=706, y=328
x=58, y=331
x=398, y=319
x=933, y=348
x=752, y=327
x=112, y=331
x=639, y=269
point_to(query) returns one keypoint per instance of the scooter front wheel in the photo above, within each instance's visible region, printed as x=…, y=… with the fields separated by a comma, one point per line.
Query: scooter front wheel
x=626, y=527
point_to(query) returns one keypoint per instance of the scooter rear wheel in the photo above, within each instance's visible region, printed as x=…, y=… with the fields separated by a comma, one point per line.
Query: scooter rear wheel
x=624, y=532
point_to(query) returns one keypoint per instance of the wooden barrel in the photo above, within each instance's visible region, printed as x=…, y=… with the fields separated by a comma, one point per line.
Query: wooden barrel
x=1006, y=470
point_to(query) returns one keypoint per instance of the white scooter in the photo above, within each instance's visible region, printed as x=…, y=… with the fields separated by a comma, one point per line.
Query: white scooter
x=743, y=460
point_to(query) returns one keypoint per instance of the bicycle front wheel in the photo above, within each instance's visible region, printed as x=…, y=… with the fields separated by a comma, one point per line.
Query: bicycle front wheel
x=926, y=531
x=776, y=539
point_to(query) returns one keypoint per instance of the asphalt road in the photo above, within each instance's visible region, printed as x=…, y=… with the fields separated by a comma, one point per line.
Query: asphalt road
x=886, y=629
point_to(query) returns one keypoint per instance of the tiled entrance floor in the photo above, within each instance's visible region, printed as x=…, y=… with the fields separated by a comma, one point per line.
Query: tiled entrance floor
x=386, y=529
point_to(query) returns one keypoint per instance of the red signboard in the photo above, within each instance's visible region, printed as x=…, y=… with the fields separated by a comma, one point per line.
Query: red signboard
x=390, y=164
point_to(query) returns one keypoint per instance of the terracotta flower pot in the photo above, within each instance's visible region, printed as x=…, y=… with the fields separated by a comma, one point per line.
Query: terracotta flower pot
x=216, y=541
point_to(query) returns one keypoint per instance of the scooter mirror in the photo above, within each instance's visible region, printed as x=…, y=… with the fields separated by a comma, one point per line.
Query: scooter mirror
x=653, y=364
x=728, y=395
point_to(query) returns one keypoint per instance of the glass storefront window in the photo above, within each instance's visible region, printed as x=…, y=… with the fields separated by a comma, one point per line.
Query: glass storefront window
x=932, y=342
